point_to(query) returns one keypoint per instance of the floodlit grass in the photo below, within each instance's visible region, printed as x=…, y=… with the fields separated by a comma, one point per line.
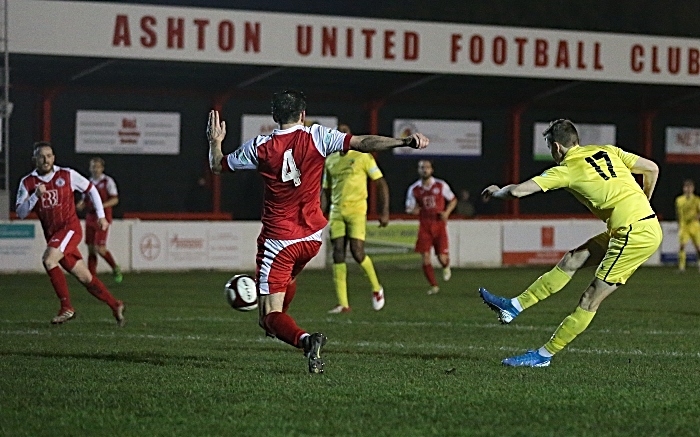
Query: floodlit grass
x=186, y=364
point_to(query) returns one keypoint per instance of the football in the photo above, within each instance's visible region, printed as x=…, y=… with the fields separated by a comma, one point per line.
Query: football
x=241, y=293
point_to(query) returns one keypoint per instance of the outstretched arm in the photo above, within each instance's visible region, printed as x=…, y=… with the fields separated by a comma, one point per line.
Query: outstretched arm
x=511, y=191
x=650, y=174
x=376, y=143
x=216, y=132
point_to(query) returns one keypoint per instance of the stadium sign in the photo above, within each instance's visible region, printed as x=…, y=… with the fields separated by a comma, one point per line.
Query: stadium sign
x=130, y=31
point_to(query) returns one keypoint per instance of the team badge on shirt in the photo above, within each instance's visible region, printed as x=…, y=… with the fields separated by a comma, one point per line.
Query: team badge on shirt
x=60, y=182
x=436, y=190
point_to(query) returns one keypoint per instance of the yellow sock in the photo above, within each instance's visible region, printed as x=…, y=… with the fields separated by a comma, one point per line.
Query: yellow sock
x=546, y=285
x=340, y=277
x=574, y=324
x=368, y=267
x=681, y=260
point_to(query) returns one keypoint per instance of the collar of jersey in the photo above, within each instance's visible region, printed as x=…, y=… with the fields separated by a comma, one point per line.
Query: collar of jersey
x=570, y=153
x=289, y=129
x=432, y=182
x=48, y=176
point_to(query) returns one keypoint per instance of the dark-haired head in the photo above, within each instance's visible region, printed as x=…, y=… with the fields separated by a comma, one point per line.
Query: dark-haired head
x=40, y=145
x=287, y=106
x=561, y=131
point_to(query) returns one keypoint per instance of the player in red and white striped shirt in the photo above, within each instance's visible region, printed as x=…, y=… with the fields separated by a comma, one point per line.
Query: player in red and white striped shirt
x=95, y=237
x=48, y=191
x=291, y=162
x=433, y=200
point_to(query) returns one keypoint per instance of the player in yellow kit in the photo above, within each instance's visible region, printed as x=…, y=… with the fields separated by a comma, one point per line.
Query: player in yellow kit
x=688, y=214
x=600, y=177
x=345, y=190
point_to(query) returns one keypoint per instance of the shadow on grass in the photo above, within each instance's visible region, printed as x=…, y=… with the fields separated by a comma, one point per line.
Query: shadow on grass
x=161, y=359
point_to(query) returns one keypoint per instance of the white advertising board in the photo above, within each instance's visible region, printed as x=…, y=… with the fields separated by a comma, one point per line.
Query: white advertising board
x=447, y=137
x=599, y=134
x=189, y=34
x=545, y=241
x=21, y=246
x=683, y=145
x=172, y=245
x=253, y=125
x=670, y=245
x=122, y=132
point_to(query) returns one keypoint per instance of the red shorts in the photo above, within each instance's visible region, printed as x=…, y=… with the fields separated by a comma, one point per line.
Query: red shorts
x=433, y=235
x=94, y=235
x=280, y=261
x=66, y=240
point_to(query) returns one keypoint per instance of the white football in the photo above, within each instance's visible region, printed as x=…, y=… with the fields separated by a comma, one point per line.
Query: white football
x=241, y=293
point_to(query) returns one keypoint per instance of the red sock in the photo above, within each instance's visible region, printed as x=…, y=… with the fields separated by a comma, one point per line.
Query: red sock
x=430, y=274
x=98, y=289
x=108, y=257
x=92, y=264
x=58, y=280
x=283, y=327
x=289, y=295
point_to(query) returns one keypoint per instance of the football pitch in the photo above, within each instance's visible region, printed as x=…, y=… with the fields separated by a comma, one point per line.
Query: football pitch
x=188, y=365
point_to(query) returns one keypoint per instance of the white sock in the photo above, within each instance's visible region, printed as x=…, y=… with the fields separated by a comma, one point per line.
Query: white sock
x=516, y=303
x=544, y=352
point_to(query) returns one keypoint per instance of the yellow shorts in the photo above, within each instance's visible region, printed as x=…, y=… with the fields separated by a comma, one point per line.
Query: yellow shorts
x=689, y=232
x=352, y=225
x=627, y=249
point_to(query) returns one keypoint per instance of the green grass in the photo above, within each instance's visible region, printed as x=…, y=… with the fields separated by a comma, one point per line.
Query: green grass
x=187, y=365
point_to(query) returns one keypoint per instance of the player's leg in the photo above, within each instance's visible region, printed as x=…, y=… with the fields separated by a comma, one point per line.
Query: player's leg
x=695, y=237
x=590, y=253
x=627, y=250
x=424, y=244
x=101, y=245
x=340, y=269
x=74, y=263
x=683, y=237
x=50, y=259
x=442, y=249
x=357, y=231
x=90, y=230
x=278, y=263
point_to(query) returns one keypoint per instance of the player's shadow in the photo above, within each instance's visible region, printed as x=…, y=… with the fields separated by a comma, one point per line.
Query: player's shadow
x=154, y=359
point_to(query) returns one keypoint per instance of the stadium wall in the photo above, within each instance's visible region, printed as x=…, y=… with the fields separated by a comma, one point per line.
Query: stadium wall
x=168, y=183
x=230, y=246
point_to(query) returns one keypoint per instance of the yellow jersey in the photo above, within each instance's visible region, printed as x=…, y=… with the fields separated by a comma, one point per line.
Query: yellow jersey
x=346, y=176
x=600, y=178
x=687, y=209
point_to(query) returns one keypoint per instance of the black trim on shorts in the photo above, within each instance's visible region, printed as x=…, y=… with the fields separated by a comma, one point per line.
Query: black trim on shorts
x=627, y=237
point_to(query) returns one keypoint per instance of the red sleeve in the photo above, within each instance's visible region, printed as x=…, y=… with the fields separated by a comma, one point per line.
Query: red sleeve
x=346, y=142
x=224, y=164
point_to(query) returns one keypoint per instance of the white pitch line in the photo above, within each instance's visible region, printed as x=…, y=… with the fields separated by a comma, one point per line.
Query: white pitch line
x=399, y=323
x=424, y=347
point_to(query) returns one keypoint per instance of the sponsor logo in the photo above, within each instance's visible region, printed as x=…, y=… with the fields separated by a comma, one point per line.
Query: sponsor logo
x=186, y=243
x=49, y=199
x=129, y=133
x=149, y=246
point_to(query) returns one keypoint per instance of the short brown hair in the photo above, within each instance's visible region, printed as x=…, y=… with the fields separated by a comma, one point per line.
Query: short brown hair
x=561, y=131
x=40, y=145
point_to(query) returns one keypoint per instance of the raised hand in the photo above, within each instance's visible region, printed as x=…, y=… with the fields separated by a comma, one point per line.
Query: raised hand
x=216, y=130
